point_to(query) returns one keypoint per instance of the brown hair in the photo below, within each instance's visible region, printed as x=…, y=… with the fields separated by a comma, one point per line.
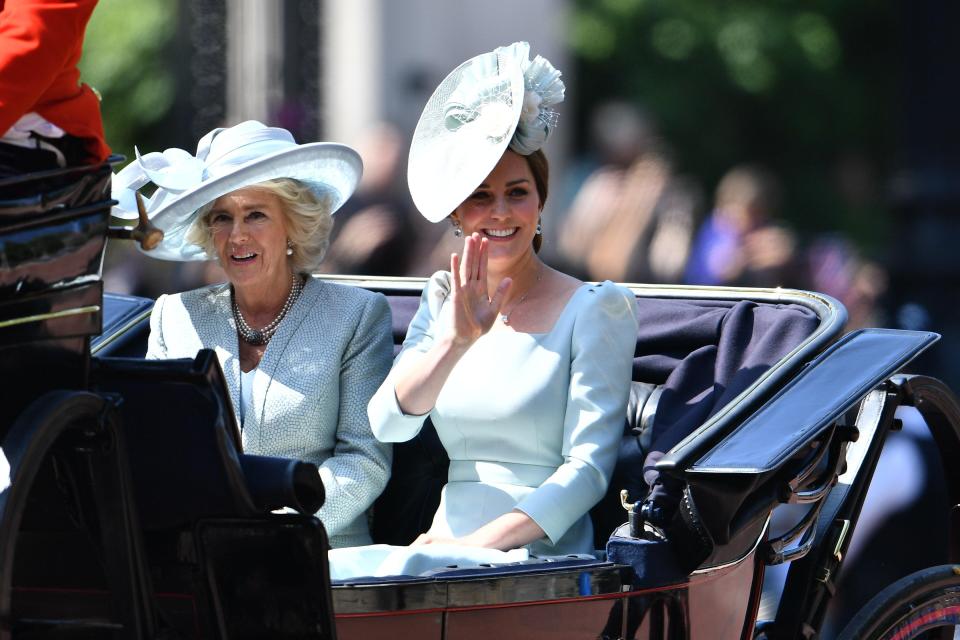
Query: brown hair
x=540, y=168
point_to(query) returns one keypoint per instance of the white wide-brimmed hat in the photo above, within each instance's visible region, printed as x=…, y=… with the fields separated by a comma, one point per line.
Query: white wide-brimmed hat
x=228, y=159
x=491, y=102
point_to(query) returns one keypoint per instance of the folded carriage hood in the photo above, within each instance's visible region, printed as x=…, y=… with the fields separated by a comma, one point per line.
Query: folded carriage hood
x=829, y=386
x=733, y=485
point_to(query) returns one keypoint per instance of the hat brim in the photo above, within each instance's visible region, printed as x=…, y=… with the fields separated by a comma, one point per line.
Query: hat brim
x=444, y=165
x=331, y=170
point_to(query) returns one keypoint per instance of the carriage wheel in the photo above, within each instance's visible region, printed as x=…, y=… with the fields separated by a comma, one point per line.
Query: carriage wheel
x=925, y=604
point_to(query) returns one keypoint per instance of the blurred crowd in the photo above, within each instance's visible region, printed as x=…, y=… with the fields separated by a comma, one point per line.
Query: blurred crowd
x=621, y=212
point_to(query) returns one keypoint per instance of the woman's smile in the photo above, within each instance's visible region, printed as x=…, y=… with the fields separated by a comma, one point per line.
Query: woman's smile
x=241, y=256
x=499, y=234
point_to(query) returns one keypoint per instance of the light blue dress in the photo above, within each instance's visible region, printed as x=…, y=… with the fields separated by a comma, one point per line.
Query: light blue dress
x=530, y=421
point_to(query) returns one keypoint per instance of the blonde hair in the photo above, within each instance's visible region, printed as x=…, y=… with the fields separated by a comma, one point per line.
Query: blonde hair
x=306, y=216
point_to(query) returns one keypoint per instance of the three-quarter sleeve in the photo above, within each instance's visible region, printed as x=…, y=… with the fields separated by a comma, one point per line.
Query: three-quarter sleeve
x=359, y=468
x=387, y=420
x=601, y=357
x=156, y=347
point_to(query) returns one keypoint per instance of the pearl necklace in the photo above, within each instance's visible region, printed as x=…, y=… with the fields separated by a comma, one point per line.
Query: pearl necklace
x=262, y=336
x=505, y=317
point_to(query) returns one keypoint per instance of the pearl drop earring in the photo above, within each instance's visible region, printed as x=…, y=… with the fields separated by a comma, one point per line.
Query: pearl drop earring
x=289, y=248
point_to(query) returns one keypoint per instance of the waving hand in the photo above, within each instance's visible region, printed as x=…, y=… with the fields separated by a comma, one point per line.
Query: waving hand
x=474, y=310
x=419, y=379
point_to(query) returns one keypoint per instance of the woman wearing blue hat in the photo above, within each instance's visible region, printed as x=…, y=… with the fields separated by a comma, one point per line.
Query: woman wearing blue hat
x=523, y=370
x=301, y=357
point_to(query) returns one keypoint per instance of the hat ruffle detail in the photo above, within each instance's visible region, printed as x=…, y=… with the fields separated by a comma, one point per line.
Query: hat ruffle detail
x=543, y=89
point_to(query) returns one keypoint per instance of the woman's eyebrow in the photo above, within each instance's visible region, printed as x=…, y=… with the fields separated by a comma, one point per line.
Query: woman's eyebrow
x=254, y=205
x=260, y=206
x=484, y=185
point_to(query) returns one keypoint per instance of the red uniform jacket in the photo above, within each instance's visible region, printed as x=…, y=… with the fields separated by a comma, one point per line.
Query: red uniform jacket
x=40, y=46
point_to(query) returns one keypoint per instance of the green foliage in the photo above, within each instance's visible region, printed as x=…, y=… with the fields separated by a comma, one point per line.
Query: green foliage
x=792, y=84
x=125, y=59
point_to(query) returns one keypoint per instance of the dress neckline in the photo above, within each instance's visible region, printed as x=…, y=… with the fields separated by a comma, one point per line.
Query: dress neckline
x=566, y=307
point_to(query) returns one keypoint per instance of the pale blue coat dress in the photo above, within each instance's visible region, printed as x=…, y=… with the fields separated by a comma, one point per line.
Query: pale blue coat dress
x=530, y=421
x=310, y=390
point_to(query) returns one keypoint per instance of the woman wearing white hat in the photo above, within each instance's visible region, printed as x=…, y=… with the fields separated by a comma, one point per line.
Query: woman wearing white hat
x=523, y=370
x=301, y=357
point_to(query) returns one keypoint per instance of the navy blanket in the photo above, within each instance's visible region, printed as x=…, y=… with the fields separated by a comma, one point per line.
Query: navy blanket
x=704, y=354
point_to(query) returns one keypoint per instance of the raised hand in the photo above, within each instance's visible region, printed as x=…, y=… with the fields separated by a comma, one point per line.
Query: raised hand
x=474, y=310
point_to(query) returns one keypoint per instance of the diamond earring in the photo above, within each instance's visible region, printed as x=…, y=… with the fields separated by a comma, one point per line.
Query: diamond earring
x=539, y=228
x=457, y=230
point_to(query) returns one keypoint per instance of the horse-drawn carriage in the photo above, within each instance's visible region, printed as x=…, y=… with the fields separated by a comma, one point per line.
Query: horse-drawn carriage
x=131, y=510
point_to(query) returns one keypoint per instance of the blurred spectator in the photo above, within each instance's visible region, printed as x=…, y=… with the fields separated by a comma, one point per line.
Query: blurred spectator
x=835, y=268
x=739, y=243
x=620, y=132
x=632, y=218
x=864, y=219
x=372, y=232
x=48, y=118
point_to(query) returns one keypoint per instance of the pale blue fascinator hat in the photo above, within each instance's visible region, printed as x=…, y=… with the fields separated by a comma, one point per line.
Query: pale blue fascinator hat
x=495, y=101
x=228, y=159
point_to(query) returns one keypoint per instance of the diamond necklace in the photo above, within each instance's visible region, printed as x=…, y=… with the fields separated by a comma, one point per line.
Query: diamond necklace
x=505, y=317
x=262, y=336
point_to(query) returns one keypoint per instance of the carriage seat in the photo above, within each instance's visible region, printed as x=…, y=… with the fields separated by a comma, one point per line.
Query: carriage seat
x=608, y=514
x=641, y=408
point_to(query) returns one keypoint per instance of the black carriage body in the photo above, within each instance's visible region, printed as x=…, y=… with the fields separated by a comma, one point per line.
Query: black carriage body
x=642, y=591
x=132, y=511
x=53, y=229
